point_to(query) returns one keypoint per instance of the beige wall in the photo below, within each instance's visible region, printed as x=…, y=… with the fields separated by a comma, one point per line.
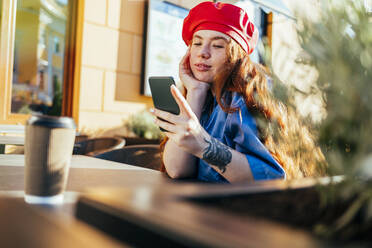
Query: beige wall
x=111, y=63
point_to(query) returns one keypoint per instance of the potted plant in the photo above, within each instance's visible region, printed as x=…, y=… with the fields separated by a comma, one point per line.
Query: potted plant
x=142, y=129
x=339, y=46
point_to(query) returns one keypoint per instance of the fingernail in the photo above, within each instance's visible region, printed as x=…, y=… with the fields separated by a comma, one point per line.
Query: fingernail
x=152, y=110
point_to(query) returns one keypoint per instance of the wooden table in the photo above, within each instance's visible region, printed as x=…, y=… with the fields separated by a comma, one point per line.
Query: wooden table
x=173, y=217
x=142, y=207
x=85, y=172
x=24, y=225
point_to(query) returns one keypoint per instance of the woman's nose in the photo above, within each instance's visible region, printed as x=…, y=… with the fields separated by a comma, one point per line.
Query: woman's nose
x=205, y=52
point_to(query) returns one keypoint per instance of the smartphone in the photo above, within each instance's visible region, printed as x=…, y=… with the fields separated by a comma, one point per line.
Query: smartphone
x=162, y=96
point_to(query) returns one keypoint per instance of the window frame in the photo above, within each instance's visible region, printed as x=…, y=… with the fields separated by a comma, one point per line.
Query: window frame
x=71, y=67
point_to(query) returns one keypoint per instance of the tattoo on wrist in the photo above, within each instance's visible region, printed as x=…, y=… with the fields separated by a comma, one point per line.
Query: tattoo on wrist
x=217, y=154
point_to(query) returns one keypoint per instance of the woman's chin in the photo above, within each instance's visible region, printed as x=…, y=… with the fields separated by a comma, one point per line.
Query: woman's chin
x=203, y=78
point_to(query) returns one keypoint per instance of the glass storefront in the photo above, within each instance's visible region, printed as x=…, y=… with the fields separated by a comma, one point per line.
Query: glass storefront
x=39, y=56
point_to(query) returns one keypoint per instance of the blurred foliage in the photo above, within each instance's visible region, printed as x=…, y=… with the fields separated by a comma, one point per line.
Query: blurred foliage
x=338, y=45
x=25, y=109
x=143, y=125
x=56, y=108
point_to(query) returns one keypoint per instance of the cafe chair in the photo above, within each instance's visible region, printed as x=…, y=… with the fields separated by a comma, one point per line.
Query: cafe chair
x=82, y=137
x=93, y=146
x=147, y=156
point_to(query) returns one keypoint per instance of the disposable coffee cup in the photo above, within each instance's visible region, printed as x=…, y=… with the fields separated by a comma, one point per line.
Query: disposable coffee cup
x=49, y=144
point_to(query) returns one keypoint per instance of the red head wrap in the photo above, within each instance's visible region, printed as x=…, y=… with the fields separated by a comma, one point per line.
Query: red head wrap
x=222, y=17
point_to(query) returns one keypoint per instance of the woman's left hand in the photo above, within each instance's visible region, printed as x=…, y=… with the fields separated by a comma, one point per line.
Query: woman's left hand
x=187, y=78
x=183, y=129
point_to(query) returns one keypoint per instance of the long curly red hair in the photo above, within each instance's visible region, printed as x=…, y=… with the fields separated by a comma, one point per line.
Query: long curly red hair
x=281, y=129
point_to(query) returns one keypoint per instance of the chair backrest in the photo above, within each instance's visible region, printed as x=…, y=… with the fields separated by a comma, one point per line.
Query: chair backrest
x=95, y=146
x=147, y=156
x=82, y=137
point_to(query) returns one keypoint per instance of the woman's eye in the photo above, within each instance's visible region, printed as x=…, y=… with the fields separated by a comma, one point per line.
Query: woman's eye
x=218, y=46
x=196, y=44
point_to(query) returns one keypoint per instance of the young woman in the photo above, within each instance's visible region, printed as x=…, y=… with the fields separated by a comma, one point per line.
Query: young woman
x=225, y=131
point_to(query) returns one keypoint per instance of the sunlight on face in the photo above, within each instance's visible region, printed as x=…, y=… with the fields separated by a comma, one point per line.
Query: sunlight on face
x=208, y=54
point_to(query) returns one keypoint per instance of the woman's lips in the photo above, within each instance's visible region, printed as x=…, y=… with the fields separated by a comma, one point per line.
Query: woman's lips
x=202, y=67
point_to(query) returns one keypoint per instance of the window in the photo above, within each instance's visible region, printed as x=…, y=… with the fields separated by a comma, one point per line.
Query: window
x=40, y=47
x=164, y=45
x=38, y=56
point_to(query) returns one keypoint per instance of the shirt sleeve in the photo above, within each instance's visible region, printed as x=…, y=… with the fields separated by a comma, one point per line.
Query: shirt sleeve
x=242, y=136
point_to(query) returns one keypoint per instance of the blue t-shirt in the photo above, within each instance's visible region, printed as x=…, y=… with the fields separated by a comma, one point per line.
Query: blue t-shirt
x=238, y=130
